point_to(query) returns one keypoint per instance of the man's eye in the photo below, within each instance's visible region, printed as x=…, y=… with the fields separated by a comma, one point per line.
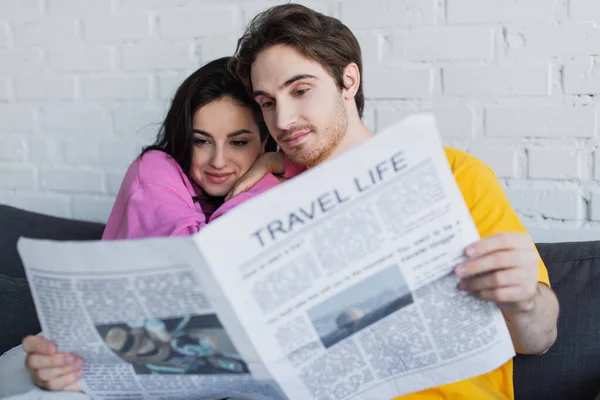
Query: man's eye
x=300, y=92
x=266, y=104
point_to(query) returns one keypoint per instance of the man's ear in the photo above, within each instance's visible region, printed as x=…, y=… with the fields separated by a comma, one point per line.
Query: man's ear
x=351, y=78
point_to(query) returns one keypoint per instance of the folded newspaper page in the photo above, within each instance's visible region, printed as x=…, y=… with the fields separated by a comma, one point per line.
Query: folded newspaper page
x=337, y=284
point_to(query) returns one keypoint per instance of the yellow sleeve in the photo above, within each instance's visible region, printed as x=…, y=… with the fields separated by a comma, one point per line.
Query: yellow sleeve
x=486, y=200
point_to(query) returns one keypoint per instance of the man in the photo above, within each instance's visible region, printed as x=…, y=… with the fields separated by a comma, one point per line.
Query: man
x=304, y=70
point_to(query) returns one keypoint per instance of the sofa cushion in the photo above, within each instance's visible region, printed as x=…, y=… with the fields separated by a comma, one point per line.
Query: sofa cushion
x=16, y=223
x=17, y=312
x=571, y=368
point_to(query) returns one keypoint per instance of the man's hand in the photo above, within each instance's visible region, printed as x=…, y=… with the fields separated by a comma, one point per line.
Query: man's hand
x=49, y=369
x=270, y=162
x=502, y=268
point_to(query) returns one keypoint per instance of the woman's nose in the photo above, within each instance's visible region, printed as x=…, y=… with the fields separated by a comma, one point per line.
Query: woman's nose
x=218, y=159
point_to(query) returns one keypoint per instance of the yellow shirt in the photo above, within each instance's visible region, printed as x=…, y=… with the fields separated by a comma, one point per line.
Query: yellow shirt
x=492, y=214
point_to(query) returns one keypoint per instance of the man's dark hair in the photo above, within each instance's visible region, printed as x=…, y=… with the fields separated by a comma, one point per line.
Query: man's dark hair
x=318, y=37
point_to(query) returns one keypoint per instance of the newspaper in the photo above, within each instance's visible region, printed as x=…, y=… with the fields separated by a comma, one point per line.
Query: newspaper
x=337, y=284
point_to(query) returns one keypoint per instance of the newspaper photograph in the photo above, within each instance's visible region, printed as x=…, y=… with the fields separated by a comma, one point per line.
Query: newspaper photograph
x=341, y=286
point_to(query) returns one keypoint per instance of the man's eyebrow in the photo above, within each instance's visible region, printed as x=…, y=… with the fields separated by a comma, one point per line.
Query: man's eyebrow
x=232, y=134
x=287, y=83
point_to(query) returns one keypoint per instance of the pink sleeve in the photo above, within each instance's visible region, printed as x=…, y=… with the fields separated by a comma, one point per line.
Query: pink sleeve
x=267, y=182
x=291, y=169
x=156, y=210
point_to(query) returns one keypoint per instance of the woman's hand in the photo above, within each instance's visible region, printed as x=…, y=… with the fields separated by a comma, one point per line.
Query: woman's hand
x=49, y=369
x=267, y=163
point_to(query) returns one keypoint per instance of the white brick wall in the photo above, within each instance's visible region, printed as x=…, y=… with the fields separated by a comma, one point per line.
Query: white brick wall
x=44, y=88
x=82, y=59
x=550, y=122
x=46, y=33
x=116, y=29
x=432, y=43
x=481, y=11
x=131, y=87
x=582, y=78
x=556, y=163
x=68, y=7
x=84, y=84
x=200, y=22
x=158, y=57
x=3, y=35
x=16, y=118
x=583, y=9
x=492, y=81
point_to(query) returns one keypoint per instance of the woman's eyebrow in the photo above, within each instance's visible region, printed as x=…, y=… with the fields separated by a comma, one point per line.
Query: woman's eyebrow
x=201, y=132
x=238, y=132
x=232, y=134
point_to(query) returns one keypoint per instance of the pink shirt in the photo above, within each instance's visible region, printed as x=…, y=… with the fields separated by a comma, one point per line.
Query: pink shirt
x=156, y=199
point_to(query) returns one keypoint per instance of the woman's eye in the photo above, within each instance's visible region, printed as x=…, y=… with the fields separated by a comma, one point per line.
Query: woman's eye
x=239, y=143
x=200, y=142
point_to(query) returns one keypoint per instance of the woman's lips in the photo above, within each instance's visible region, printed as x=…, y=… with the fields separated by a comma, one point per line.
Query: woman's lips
x=296, y=138
x=217, y=178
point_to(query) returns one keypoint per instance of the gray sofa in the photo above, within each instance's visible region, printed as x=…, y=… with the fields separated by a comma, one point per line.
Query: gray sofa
x=570, y=369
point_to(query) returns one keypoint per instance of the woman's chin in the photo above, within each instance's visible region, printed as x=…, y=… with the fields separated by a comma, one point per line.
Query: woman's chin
x=217, y=191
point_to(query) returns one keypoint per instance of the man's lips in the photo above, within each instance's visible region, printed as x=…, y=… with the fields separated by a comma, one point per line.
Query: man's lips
x=295, y=138
x=218, y=177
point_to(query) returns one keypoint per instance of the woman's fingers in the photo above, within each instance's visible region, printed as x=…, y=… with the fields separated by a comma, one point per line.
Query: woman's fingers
x=240, y=187
x=51, y=370
x=39, y=345
x=67, y=381
x=266, y=163
x=48, y=374
x=36, y=361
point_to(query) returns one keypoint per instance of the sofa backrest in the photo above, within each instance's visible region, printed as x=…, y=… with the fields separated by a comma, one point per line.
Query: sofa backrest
x=571, y=368
x=15, y=222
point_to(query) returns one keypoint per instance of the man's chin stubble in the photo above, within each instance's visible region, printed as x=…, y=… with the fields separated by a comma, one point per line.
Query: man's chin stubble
x=310, y=159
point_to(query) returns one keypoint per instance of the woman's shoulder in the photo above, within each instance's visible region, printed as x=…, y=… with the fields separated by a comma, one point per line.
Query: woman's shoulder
x=155, y=166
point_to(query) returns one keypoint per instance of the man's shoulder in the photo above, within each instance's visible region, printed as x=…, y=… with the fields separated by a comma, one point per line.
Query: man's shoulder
x=469, y=170
x=475, y=179
x=483, y=194
x=462, y=163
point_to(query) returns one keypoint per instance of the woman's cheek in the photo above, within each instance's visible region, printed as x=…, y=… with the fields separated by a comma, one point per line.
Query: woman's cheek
x=201, y=153
x=249, y=156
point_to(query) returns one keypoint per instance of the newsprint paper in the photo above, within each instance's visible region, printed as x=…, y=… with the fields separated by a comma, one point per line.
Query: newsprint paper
x=337, y=284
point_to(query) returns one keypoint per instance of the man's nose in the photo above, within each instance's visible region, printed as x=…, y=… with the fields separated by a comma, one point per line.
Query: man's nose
x=286, y=116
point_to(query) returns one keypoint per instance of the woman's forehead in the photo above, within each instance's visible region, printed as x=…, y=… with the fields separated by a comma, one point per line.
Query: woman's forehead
x=224, y=116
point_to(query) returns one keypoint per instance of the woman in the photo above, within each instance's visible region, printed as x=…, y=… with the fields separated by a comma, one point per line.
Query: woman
x=210, y=138
x=212, y=135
